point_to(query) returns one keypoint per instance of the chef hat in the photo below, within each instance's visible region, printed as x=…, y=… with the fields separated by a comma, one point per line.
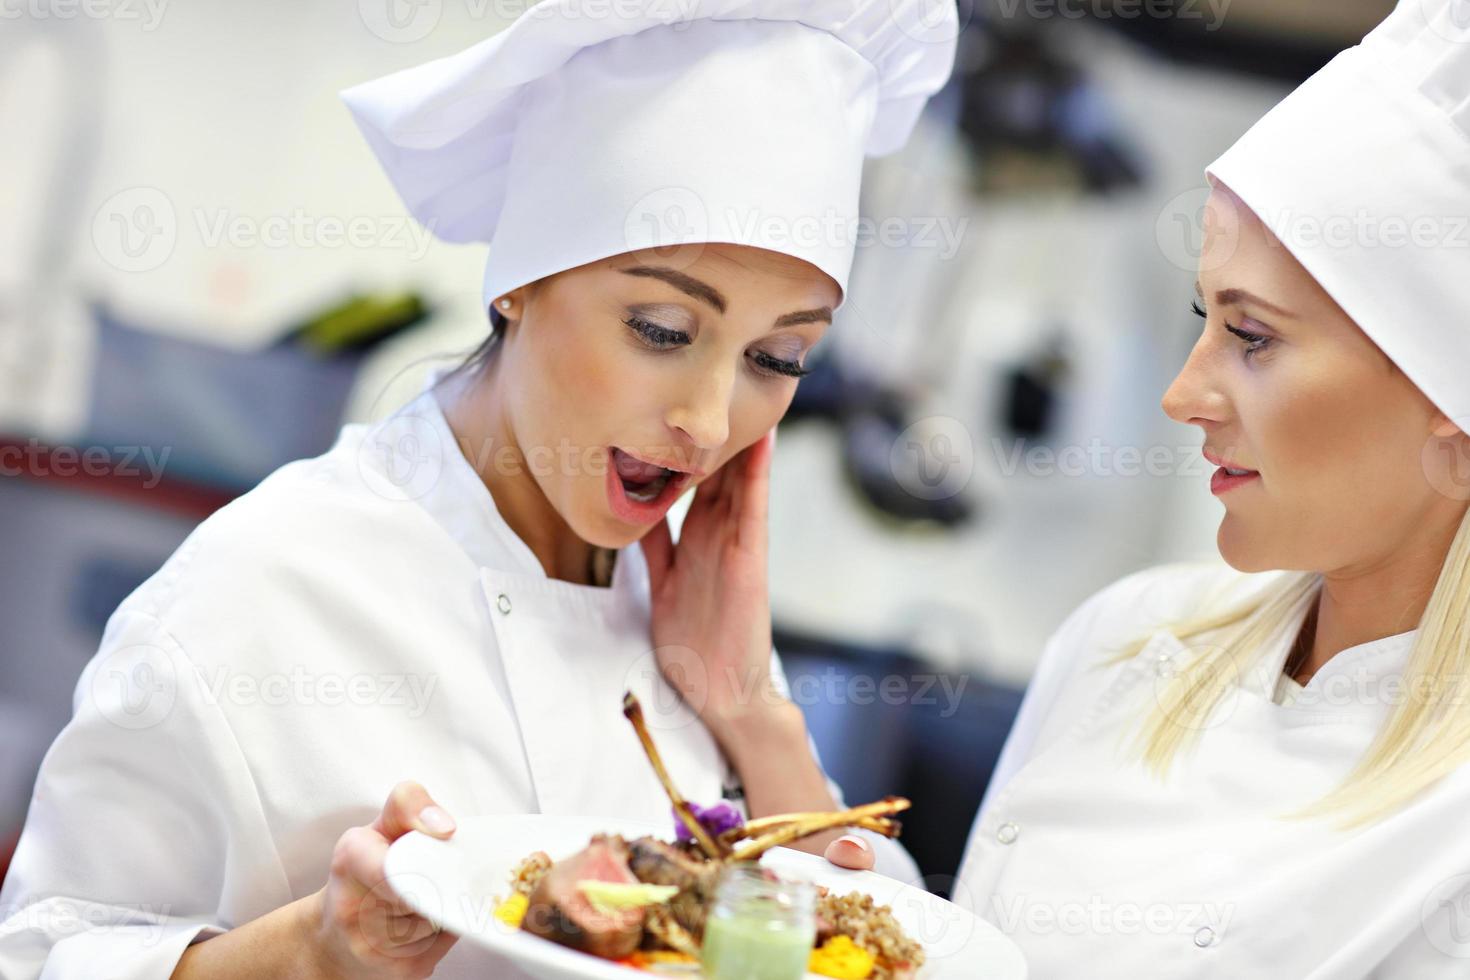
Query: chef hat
x=1363, y=173
x=585, y=130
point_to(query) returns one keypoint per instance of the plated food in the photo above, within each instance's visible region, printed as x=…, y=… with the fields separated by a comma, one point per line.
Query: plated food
x=861, y=924
x=701, y=900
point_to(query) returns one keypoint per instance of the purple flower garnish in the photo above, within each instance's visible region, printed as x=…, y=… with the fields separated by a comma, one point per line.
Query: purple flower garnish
x=716, y=819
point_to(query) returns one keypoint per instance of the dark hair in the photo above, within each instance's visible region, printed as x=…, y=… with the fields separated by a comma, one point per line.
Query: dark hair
x=477, y=359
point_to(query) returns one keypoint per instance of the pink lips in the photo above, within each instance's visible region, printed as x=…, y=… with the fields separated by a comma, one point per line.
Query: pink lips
x=640, y=512
x=1223, y=480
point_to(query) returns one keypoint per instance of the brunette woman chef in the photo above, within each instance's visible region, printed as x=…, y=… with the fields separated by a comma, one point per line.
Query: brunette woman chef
x=1221, y=775
x=369, y=616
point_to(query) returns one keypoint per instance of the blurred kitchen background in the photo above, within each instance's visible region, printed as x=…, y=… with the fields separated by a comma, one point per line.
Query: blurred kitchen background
x=204, y=273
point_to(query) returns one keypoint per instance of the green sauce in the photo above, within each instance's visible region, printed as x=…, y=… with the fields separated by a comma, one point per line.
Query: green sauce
x=749, y=948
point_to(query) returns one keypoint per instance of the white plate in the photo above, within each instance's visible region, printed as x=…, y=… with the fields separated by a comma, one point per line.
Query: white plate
x=457, y=882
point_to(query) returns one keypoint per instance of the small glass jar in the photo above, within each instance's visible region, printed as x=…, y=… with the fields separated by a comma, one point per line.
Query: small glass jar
x=759, y=928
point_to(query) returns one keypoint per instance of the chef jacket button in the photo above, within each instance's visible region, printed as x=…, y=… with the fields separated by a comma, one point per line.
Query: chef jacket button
x=502, y=602
x=1007, y=833
x=1204, y=937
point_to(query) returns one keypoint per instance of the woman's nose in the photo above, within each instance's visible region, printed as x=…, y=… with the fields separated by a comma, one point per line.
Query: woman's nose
x=703, y=413
x=1192, y=398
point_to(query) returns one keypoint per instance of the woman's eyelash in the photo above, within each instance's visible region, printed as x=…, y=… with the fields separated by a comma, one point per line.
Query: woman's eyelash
x=663, y=338
x=1254, y=342
x=790, y=369
x=655, y=335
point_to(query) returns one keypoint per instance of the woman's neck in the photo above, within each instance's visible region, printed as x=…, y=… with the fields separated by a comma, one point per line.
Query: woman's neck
x=476, y=414
x=1360, y=605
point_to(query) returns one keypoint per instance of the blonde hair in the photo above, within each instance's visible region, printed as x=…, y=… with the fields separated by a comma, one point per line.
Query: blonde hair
x=1426, y=735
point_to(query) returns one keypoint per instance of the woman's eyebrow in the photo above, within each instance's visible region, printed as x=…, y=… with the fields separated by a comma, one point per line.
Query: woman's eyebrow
x=822, y=314
x=686, y=284
x=706, y=293
x=1235, y=297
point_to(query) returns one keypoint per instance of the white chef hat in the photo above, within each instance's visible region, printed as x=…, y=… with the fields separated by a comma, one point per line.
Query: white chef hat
x=1364, y=174
x=584, y=130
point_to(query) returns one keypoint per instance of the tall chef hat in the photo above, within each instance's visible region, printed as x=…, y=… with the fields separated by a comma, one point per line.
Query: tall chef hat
x=584, y=130
x=1364, y=174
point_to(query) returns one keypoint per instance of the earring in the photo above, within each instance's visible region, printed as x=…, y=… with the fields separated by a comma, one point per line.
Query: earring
x=504, y=303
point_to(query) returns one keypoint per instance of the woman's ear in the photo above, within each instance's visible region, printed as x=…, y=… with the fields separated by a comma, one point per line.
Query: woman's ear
x=510, y=305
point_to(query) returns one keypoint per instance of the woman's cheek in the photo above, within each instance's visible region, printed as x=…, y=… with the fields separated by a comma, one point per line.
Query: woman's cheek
x=757, y=408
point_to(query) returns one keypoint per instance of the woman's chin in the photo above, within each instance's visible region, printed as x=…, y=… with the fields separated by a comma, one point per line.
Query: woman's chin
x=605, y=530
x=1240, y=551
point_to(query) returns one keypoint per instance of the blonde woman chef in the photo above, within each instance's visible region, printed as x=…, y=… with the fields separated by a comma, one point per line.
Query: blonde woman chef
x=1227, y=775
x=415, y=609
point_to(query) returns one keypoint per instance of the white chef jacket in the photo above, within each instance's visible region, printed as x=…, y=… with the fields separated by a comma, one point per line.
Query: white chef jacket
x=1098, y=870
x=358, y=619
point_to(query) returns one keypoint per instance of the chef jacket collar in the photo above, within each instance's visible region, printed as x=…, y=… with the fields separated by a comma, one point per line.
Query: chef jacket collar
x=456, y=497
x=1355, y=678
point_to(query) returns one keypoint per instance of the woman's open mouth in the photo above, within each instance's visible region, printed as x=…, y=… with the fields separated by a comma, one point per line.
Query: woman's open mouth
x=639, y=491
x=1226, y=478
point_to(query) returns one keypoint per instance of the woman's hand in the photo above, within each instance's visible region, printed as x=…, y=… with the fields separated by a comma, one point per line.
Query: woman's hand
x=364, y=929
x=852, y=853
x=711, y=605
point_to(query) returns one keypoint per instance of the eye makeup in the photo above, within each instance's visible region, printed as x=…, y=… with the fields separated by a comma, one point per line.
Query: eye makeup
x=650, y=326
x=1254, y=342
